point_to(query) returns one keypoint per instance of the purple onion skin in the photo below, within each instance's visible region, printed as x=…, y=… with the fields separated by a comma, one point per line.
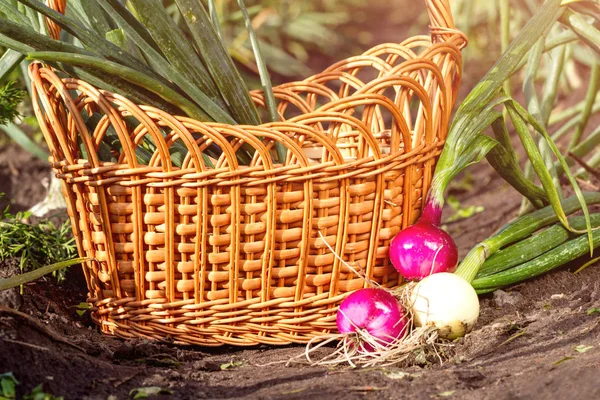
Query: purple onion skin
x=374, y=310
x=414, y=249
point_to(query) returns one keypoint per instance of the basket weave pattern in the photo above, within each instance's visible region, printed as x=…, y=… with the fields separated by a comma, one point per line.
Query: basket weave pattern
x=258, y=253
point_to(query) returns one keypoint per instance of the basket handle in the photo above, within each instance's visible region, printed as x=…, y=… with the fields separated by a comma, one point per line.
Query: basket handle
x=53, y=28
x=441, y=23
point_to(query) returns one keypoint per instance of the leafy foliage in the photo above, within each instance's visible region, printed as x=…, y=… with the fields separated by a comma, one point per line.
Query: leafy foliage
x=10, y=97
x=8, y=384
x=35, y=244
x=38, y=394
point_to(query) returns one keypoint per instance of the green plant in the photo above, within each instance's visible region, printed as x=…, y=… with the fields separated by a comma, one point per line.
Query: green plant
x=10, y=97
x=546, y=163
x=38, y=394
x=155, y=64
x=21, y=279
x=8, y=384
x=35, y=244
x=288, y=32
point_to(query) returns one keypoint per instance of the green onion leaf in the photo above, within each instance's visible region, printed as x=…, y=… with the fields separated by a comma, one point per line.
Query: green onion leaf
x=10, y=59
x=471, y=119
x=214, y=55
x=160, y=64
x=130, y=75
x=176, y=48
x=590, y=98
x=504, y=160
x=92, y=40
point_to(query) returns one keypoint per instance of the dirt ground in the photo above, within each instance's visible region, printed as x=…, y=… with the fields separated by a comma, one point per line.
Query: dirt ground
x=534, y=341
x=537, y=340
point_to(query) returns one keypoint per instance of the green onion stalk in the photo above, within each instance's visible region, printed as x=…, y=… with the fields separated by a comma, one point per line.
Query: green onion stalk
x=141, y=53
x=546, y=261
x=522, y=228
x=465, y=143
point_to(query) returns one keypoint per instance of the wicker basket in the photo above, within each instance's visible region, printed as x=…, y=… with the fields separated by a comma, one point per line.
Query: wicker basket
x=239, y=254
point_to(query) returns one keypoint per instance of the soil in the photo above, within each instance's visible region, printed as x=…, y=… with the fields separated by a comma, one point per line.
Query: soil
x=20, y=177
x=536, y=340
x=532, y=341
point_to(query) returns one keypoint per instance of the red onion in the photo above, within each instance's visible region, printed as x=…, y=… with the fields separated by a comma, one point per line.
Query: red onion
x=375, y=311
x=424, y=248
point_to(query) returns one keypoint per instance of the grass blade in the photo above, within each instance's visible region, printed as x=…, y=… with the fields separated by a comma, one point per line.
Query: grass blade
x=12, y=44
x=98, y=20
x=29, y=41
x=590, y=98
x=24, y=40
x=214, y=18
x=115, y=84
x=11, y=12
x=31, y=276
x=21, y=138
x=35, y=19
x=265, y=80
x=117, y=36
x=214, y=55
x=122, y=16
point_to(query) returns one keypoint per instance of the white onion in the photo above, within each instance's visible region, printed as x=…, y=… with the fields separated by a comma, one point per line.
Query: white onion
x=446, y=301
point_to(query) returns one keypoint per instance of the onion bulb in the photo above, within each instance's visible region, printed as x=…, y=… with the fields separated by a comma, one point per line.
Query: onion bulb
x=421, y=250
x=375, y=311
x=447, y=302
x=424, y=248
